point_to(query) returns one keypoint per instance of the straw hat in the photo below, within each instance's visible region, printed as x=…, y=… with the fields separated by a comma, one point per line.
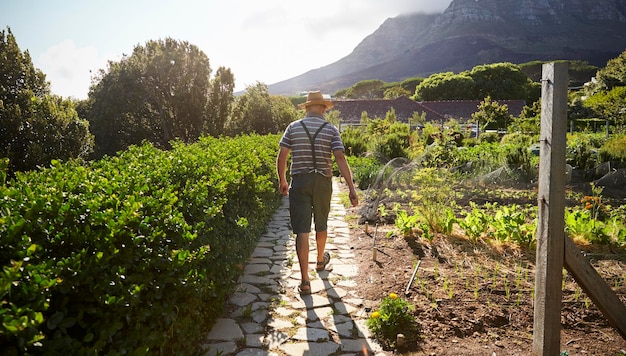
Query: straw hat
x=316, y=98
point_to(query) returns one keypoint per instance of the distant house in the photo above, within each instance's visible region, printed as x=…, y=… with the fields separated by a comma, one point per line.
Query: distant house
x=437, y=112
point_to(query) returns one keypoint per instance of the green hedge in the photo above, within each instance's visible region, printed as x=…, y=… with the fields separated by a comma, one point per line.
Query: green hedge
x=131, y=254
x=613, y=149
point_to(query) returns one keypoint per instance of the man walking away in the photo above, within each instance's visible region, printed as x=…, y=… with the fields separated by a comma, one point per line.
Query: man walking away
x=311, y=141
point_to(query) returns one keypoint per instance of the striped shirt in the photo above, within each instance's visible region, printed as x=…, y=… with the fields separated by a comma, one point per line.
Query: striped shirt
x=296, y=139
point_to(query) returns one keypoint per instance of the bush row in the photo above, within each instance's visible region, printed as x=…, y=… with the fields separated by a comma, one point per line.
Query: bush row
x=131, y=254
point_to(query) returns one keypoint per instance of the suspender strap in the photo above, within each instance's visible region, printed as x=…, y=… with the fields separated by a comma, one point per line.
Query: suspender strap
x=312, y=140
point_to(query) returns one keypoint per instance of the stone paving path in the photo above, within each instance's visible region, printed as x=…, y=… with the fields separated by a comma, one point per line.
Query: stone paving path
x=271, y=318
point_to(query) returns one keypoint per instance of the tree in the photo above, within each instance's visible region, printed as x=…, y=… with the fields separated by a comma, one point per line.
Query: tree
x=446, y=86
x=500, y=81
x=614, y=74
x=576, y=108
x=396, y=92
x=258, y=111
x=491, y=115
x=611, y=105
x=342, y=93
x=35, y=126
x=220, y=101
x=529, y=120
x=159, y=93
x=366, y=89
x=285, y=112
x=410, y=84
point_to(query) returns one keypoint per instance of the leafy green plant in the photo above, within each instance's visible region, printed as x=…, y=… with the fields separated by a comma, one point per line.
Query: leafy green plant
x=508, y=224
x=394, y=316
x=580, y=223
x=405, y=222
x=133, y=252
x=448, y=221
x=364, y=169
x=426, y=232
x=433, y=194
x=475, y=223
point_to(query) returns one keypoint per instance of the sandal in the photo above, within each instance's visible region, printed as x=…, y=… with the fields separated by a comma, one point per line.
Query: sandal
x=302, y=289
x=322, y=265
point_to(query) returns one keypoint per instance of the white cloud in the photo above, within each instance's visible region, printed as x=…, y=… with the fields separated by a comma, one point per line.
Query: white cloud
x=69, y=68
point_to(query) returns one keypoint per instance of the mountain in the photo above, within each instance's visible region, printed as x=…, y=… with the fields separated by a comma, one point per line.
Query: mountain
x=475, y=32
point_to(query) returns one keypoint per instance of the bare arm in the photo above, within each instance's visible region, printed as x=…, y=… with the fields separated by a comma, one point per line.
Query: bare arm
x=346, y=173
x=281, y=170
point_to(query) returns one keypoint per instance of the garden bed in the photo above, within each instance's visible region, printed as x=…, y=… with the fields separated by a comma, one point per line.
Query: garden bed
x=475, y=297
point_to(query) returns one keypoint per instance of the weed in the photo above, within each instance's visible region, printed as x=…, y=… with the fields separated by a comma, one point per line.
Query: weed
x=247, y=312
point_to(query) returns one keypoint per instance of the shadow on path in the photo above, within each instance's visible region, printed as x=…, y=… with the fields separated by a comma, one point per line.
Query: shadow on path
x=270, y=317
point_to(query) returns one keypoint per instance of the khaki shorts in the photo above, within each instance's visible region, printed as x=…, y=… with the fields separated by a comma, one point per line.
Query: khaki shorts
x=309, y=194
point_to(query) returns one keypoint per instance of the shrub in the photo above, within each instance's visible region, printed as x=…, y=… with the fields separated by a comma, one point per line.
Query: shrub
x=364, y=170
x=613, y=150
x=393, y=317
x=391, y=145
x=518, y=139
x=134, y=253
x=520, y=160
x=490, y=137
x=433, y=194
x=582, y=150
x=354, y=141
x=485, y=157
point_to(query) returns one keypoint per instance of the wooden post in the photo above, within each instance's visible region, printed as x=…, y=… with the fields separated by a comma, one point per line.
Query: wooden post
x=595, y=287
x=551, y=204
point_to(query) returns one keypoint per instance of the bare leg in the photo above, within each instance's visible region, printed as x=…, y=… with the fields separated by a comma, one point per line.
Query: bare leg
x=302, y=249
x=320, y=241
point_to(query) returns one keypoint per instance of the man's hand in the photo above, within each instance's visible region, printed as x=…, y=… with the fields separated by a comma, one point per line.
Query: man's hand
x=281, y=168
x=284, y=188
x=346, y=173
x=354, y=198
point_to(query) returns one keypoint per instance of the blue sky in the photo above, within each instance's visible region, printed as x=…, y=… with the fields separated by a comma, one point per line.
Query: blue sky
x=266, y=41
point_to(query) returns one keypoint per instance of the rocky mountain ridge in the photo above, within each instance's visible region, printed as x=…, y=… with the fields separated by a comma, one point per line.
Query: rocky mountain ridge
x=474, y=32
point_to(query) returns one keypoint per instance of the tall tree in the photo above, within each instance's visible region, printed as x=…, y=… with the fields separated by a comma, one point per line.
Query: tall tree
x=220, y=101
x=500, y=81
x=285, y=112
x=446, y=86
x=366, y=89
x=159, y=93
x=35, y=126
x=258, y=111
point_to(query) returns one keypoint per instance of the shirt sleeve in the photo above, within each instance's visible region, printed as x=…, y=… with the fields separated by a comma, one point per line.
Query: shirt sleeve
x=285, y=141
x=336, y=143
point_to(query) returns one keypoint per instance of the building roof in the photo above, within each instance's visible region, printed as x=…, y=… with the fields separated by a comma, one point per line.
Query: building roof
x=462, y=110
x=350, y=111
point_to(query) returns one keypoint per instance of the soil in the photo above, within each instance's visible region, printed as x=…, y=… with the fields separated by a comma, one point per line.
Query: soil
x=476, y=298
